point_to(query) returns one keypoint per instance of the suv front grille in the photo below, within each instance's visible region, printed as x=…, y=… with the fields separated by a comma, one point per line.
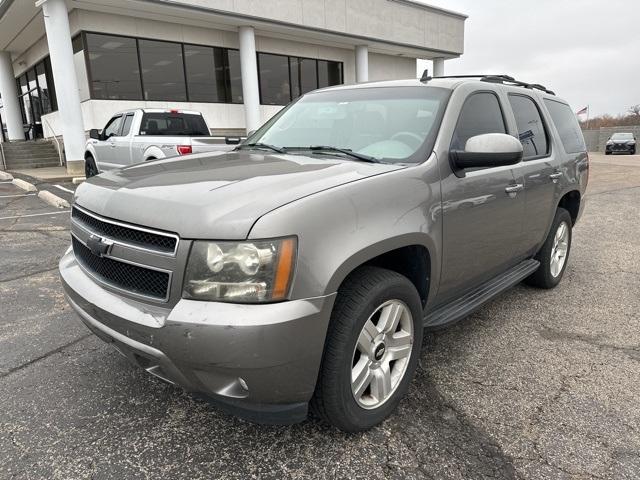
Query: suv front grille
x=137, y=237
x=121, y=275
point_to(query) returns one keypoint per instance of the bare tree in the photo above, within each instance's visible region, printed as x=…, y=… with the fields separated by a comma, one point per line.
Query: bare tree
x=635, y=110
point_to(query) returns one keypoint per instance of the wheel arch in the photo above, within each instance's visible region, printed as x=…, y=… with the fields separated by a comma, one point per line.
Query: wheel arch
x=408, y=255
x=570, y=201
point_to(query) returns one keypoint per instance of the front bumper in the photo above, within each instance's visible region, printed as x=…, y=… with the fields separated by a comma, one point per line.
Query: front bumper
x=257, y=361
x=620, y=148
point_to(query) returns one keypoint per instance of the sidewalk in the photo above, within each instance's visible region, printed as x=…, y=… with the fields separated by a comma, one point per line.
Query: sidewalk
x=46, y=174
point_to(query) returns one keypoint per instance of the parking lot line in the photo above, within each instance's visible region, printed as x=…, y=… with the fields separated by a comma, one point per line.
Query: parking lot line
x=33, y=215
x=64, y=189
x=19, y=195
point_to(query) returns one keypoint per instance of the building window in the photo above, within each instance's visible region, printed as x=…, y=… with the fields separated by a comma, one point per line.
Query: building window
x=233, y=76
x=284, y=78
x=205, y=73
x=126, y=68
x=113, y=67
x=162, y=69
x=36, y=96
x=275, y=88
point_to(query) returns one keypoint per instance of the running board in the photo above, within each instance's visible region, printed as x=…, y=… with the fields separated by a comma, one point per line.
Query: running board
x=463, y=306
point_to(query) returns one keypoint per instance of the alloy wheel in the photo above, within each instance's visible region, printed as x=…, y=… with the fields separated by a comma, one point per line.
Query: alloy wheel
x=559, y=249
x=382, y=354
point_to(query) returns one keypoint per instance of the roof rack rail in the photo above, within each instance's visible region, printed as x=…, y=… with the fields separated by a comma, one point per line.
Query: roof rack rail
x=502, y=79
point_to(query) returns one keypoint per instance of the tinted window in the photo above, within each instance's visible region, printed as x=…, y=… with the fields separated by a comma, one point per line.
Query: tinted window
x=567, y=124
x=162, y=70
x=126, y=127
x=234, y=76
x=166, y=123
x=480, y=114
x=113, y=127
x=205, y=73
x=329, y=73
x=113, y=63
x=274, y=79
x=531, y=129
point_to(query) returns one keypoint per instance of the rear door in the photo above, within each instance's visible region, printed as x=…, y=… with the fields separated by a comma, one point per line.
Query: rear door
x=539, y=168
x=482, y=222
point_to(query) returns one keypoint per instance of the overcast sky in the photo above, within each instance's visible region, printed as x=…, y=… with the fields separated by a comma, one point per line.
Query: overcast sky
x=588, y=51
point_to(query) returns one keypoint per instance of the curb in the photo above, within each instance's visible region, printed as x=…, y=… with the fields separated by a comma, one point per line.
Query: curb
x=52, y=199
x=5, y=176
x=29, y=187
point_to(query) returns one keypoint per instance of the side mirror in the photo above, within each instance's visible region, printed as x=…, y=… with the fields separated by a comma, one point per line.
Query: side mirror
x=232, y=140
x=250, y=132
x=488, y=150
x=95, y=134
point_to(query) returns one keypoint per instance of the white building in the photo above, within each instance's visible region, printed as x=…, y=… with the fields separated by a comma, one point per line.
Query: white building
x=67, y=66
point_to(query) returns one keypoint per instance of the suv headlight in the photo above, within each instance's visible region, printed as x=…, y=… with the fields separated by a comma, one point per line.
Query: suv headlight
x=240, y=272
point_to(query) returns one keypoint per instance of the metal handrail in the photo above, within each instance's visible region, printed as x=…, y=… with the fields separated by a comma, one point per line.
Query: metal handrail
x=4, y=162
x=55, y=138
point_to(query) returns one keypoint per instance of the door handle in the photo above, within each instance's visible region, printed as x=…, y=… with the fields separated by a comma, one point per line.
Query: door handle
x=555, y=176
x=512, y=190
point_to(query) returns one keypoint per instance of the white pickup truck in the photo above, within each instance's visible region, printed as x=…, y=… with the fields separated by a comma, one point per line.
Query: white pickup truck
x=135, y=136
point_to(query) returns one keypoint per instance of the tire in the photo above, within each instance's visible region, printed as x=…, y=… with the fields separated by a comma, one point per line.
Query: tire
x=90, y=168
x=607, y=153
x=363, y=294
x=548, y=276
x=632, y=151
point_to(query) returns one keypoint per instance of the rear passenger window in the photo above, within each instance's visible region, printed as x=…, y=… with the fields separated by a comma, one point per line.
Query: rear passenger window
x=480, y=114
x=531, y=129
x=567, y=124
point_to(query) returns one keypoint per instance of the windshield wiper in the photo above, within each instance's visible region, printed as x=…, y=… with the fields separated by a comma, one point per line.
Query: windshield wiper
x=346, y=151
x=262, y=145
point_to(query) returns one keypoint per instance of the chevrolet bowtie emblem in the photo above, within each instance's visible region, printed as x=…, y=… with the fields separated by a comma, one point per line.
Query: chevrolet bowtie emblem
x=98, y=245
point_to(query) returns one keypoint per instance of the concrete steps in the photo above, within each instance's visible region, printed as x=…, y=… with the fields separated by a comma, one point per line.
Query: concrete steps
x=30, y=154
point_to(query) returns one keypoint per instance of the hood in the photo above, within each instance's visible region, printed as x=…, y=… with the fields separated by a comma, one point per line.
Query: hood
x=216, y=196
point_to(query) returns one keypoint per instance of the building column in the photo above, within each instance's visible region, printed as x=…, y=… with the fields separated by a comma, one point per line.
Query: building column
x=9, y=92
x=56, y=22
x=362, y=63
x=438, y=67
x=249, y=72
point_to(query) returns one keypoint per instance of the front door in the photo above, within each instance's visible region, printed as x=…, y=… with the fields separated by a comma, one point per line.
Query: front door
x=105, y=148
x=482, y=214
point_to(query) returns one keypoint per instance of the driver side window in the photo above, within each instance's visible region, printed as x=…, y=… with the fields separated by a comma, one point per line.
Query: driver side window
x=113, y=127
x=481, y=113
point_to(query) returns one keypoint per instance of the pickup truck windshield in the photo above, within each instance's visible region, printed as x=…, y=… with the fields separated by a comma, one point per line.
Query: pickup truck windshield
x=390, y=124
x=173, y=124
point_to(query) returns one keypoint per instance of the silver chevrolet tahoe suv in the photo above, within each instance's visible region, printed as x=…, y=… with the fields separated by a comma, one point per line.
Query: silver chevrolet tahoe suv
x=300, y=271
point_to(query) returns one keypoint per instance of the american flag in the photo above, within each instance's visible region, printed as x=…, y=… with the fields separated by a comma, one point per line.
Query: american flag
x=584, y=111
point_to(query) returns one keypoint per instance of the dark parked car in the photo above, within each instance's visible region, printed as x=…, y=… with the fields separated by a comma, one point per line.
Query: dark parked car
x=621, y=143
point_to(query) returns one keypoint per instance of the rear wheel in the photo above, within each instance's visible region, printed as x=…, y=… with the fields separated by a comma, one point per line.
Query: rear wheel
x=371, y=351
x=554, y=254
x=90, y=168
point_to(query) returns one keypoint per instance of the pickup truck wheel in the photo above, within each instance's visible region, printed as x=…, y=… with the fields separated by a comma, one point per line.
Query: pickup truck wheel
x=90, y=168
x=554, y=254
x=371, y=351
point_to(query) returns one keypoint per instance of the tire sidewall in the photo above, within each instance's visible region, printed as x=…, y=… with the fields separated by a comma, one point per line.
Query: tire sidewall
x=561, y=216
x=359, y=417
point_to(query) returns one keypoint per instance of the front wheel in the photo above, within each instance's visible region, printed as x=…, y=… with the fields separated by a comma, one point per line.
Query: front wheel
x=554, y=254
x=372, y=349
x=90, y=168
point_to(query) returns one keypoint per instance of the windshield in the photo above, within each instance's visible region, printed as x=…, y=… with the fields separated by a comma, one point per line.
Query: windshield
x=622, y=136
x=390, y=124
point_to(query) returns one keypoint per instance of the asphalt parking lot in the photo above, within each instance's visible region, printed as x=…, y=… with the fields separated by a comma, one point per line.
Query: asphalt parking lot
x=537, y=384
